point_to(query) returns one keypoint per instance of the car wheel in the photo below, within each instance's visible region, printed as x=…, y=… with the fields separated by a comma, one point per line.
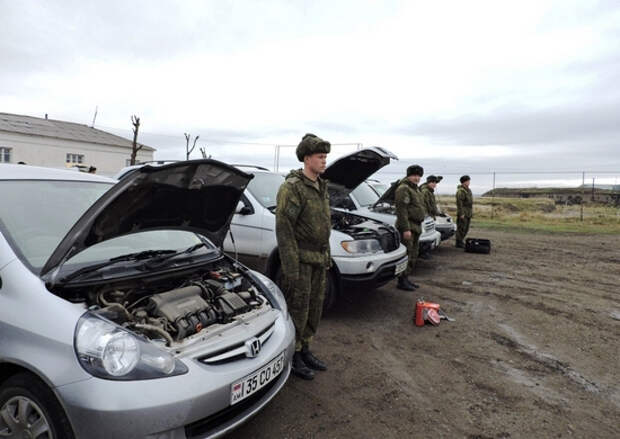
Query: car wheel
x=331, y=292
x=28, y=408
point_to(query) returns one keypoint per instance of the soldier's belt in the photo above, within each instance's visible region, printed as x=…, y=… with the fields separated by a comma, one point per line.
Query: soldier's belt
x=312, y=247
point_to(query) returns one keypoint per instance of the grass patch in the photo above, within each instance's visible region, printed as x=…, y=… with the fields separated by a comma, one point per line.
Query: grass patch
x=541, y=227
x=539, y=215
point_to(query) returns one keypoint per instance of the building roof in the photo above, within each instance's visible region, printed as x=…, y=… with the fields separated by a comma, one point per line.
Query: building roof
x=26, y=172
x=58, y=129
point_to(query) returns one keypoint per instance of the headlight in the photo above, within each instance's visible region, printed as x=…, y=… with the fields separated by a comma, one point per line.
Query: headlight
x=108, y=351
x=362, y=246
x=275, y=294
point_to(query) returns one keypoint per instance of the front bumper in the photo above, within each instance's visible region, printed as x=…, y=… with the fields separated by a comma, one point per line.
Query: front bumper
x=429, y=242
x=194, y=405
x=370, y=281
x=446, y=232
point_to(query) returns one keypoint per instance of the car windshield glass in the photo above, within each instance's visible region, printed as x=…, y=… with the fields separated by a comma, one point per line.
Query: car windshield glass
x=264, y=187
x=365, y=195
x=36, y=223
x=380, y=188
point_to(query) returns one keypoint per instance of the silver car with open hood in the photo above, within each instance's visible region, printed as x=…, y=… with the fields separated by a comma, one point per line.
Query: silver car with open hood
x=120, y=317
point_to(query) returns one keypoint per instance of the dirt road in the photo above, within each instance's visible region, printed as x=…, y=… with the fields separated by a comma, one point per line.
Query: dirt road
x=535, y=350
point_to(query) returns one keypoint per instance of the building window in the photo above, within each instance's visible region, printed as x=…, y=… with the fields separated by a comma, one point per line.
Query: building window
x=75, y=158
x=5, y=155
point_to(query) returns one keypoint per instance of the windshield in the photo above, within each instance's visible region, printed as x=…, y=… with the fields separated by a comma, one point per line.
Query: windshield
x=365, y=195
x=37, y=214
x=264, y=187
x=380, y=188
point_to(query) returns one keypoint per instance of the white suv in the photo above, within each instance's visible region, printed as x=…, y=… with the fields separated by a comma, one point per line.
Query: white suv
x=365, y=201
x=366, y=253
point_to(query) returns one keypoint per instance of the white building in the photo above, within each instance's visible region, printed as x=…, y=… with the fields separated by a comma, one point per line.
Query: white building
x=58, y=144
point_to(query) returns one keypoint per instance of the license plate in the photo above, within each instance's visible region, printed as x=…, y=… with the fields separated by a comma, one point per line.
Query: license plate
x=256, y=380
x=400, y=268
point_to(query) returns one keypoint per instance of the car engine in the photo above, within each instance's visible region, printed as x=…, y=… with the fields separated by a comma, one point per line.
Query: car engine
x=359, y=227
x=175, y=310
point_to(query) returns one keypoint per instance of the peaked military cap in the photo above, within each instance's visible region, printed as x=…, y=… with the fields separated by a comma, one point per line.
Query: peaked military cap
x=311, y=144
x=415, y=170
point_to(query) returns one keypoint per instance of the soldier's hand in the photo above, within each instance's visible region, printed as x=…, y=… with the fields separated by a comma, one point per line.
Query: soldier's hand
x=407, y=235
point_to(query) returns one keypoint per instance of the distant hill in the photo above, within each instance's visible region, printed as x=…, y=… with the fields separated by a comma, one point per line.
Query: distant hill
x=562, y=195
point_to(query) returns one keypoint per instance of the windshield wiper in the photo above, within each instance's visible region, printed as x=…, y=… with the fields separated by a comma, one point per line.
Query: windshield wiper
x=156, y=261
x=147, y=254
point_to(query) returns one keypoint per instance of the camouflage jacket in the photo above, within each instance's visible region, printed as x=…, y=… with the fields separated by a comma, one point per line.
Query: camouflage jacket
x=464, y=202
x=409, y=203
x=430, y=204
x=303, y=223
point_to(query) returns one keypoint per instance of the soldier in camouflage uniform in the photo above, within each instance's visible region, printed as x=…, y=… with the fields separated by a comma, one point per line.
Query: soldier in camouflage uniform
x=303, y=225
x=428, y=192
x=464, y=210
x=409, y=216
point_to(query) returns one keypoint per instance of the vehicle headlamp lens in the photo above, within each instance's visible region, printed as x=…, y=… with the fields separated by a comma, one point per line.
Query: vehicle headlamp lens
x=106, y=350
x=362, y=246
x=120, y=354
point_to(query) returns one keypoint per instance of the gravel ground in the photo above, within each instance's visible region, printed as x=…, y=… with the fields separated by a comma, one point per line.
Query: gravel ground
x=534, y=351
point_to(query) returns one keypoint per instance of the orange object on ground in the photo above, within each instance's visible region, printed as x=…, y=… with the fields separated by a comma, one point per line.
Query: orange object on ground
x=421, y=311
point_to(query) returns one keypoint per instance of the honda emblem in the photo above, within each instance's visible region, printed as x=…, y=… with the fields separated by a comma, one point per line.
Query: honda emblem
x=253, y=347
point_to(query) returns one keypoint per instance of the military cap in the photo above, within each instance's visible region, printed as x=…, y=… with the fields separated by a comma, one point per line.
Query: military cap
x=465, y=178
x=433, y=179
x=311, y=144
x=415, y=170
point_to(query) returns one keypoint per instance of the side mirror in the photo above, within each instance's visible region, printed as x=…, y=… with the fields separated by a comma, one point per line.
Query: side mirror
x=242, y=209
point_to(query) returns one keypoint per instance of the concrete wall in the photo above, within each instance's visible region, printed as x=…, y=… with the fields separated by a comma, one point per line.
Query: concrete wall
x=52, y=153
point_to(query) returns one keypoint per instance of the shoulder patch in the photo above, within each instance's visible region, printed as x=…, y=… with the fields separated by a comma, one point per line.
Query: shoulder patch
x=292, y=180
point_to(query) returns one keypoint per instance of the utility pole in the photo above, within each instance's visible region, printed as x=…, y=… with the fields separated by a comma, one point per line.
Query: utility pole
x=583, y=192
x=493, y=198
x=135, y=121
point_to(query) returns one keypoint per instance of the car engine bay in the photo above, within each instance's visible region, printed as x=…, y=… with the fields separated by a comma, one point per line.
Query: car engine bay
x=173, y=309
x=359, y=227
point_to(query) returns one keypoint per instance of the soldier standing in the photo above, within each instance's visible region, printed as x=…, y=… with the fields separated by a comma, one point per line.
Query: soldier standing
x=428, y=192
x=409, y=216
x=303, y=225
x=464, y=210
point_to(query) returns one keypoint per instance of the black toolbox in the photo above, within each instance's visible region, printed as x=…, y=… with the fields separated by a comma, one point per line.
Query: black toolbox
x=478, y=245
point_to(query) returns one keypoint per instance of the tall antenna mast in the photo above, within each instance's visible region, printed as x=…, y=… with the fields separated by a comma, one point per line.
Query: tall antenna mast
x=95, y=117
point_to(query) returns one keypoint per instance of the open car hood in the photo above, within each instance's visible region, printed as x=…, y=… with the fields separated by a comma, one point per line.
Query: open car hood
x=388, y=196
x=198, y=196
x=348, y=172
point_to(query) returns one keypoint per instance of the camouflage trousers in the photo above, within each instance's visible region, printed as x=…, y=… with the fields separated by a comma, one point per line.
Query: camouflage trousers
x=304, y=297
x=413, y=246
x=462, y=227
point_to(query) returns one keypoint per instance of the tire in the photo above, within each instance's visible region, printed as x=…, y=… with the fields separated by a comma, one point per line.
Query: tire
x=331, y=292
x=31, y=407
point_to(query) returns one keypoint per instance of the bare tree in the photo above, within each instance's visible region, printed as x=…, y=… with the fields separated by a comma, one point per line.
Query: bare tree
x=135, y=121
x=203, y=151
x=188, y=151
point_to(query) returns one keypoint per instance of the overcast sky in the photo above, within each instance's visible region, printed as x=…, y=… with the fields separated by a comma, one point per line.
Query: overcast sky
x=456, y=86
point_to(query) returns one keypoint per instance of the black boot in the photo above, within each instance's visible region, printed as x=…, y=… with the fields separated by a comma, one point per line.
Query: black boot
x=311, y=361
x=460, y=244
x=414, y=285
x=404, y=284
x=299, y=367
